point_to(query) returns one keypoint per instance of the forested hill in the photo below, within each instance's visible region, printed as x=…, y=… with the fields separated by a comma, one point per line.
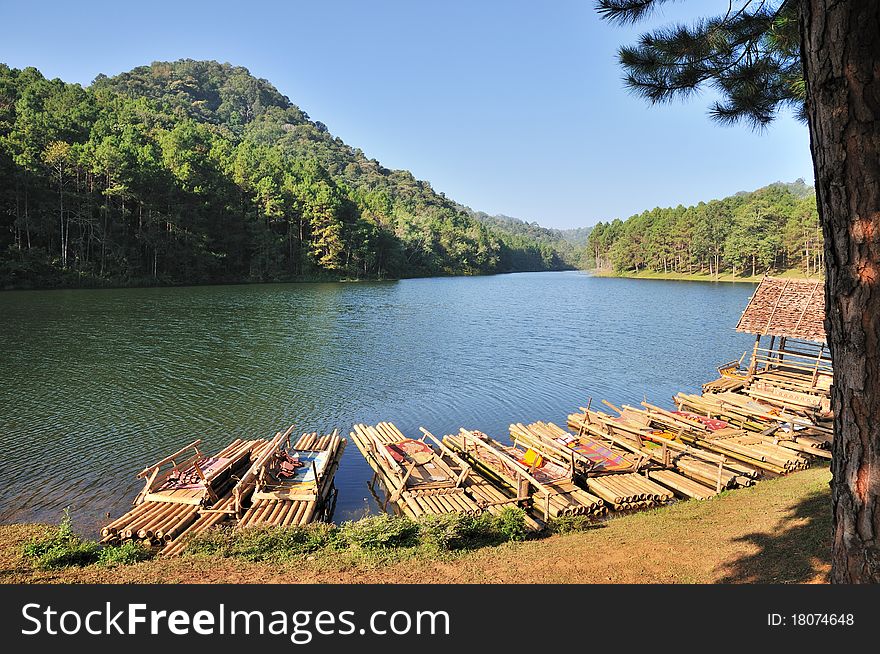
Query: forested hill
x=773, y=229
x=561, y=243
x=195, y=171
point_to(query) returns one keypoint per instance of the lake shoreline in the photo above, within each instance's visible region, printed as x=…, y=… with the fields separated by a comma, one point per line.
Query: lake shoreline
x=93, y=284
x=751, y=535
x=700, y=277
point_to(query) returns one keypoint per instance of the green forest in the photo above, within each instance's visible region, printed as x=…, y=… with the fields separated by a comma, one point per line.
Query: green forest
x=194, y=172
x=773, y=229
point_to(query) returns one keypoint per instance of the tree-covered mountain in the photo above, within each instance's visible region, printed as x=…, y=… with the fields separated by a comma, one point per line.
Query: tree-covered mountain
x=775, y=228
x=554, y=246
x=798, y=188
x=195, y=171
x=578, y=236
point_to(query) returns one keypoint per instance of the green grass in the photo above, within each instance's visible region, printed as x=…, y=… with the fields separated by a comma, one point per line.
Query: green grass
x=125, y=554
x=778, y=531
x=59, y=547
x=379, y=538
x=382, y=538
x=570, y=524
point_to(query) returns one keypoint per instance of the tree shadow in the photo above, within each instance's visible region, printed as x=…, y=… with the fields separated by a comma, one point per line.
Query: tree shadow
x=798, y=550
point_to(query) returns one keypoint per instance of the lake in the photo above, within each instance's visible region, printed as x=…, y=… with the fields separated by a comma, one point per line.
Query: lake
x=96, y=384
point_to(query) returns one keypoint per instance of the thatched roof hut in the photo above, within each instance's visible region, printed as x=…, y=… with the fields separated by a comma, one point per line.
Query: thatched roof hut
x=789, y=308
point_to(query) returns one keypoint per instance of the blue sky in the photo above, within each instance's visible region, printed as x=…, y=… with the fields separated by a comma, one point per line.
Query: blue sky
x=506, y=106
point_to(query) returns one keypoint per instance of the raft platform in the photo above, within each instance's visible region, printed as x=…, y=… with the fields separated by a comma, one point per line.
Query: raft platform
x=179, y=489
x=544, y=486
x=419, y=479
x=290, y=484
x=252, y=482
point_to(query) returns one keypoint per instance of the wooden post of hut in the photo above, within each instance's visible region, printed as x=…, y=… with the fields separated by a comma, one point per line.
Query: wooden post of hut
x=753, y=365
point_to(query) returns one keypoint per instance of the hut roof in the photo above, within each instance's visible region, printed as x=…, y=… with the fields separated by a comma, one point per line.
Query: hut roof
x=794, y=308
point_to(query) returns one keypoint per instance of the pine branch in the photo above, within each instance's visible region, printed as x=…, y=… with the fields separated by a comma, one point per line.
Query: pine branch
x=751, y=56
x=626, y=11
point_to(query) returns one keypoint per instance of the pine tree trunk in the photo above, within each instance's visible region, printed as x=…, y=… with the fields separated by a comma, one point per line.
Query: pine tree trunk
x=841, y=57
x=64, y=227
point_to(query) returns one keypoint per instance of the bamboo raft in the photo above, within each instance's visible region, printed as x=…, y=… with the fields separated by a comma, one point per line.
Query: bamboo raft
x=283, y=496
x=725, y=383
x=797, y=379
x=628, y=492
x=419, y=479
x=543, y=486
x=606, y=469
x=584, y=452
x=178, y=490
x=684, y=487
x=780, y=427
x=710, y=471
x=758, y=452
x=749, y=412
x=805, y=403
x=207, y=518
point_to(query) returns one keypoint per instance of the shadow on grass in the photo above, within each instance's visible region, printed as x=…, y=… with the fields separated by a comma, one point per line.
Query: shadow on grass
x=798, y=551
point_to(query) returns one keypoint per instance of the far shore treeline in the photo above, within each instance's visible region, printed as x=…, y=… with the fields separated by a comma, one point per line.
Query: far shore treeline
x=198, y=172
x=193, y=172
x=773, y=229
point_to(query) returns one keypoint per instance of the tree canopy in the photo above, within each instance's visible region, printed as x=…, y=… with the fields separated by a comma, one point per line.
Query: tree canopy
x=196, y=171
x=773, y=228
x=749, y=54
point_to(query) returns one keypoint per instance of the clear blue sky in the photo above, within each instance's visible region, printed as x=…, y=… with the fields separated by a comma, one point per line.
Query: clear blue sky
x=506, y=106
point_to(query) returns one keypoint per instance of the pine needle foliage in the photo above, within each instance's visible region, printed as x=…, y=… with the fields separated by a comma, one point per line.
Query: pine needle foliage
x=749, y=55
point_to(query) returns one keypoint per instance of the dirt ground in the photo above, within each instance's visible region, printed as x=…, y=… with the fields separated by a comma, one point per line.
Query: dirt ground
x=776, y=532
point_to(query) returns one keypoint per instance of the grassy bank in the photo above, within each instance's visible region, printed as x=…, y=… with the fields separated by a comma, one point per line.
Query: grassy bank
x=701, y=277
x=776, y=532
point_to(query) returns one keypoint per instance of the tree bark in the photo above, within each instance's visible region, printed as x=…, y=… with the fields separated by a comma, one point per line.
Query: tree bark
x=841, y=59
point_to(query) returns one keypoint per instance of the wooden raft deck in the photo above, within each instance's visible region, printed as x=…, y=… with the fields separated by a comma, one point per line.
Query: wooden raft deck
x=280, y=499
x=179, y=490
x=419, y=479
x=547, y=487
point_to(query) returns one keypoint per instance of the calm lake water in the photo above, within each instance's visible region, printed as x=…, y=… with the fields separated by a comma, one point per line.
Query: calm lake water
x=96, y=384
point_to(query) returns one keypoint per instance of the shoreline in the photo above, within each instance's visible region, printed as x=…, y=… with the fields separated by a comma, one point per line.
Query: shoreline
x=728, y=278
x=750, y=535
x=303, y=280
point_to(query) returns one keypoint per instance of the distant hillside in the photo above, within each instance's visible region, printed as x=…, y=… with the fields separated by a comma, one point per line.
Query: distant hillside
x=579, y=236
x=553, y=242
x=196, y=171
x=773, y=229
x=798, y=188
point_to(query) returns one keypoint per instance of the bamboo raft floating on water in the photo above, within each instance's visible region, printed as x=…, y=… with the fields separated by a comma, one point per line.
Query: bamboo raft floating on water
x=607, y=466
x=177, y=490
x=547, y=484
x=778, y=426
x=419, y=479
x=187, y=493
x=288, y=484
